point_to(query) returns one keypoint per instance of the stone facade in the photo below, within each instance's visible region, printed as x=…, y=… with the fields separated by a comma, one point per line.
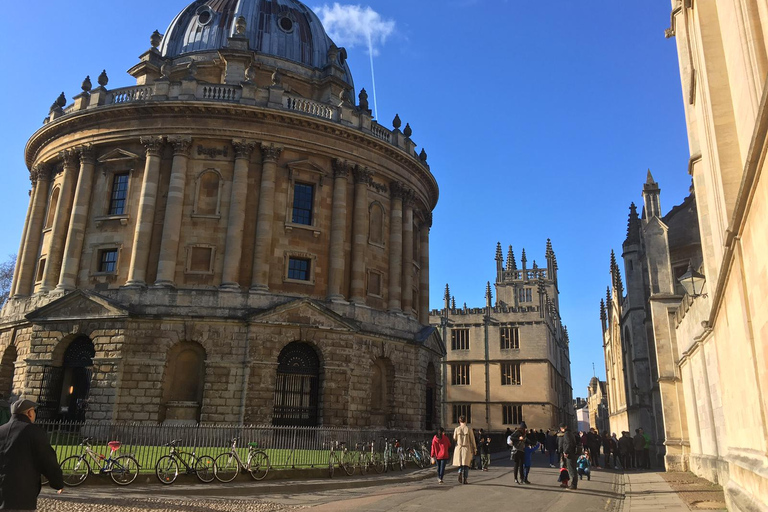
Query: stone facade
x=508, y=362
x=233, y=239
x=597, y=405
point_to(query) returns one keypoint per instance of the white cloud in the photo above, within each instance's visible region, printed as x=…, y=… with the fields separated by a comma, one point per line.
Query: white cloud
x=351, y=25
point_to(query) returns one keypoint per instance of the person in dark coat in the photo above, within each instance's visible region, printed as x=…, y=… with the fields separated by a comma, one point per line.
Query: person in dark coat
x=639, y=444
x=551, y=442
x=570, y=449
x=25, y=454
x=626, y=447
x=593, y=444
x=541, y=438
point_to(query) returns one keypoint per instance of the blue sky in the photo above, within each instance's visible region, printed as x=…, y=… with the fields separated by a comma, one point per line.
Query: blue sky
x=540, y=120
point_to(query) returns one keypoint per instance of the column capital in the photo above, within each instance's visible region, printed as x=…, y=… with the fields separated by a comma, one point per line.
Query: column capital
x=181, y=145
x=40, y=172
x=153, y=145
x=426, y=219
x=87, y=154
x=70, y=158
x=396, y=190
x=341, y=168
x=362, y=175
x=409, y=197
x=270, y=153
x=243, y=148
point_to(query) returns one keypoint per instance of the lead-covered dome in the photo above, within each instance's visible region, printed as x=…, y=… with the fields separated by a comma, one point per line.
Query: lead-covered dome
x=286, y=29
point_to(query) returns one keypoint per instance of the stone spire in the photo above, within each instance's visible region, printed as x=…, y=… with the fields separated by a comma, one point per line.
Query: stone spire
x=499, y=264
x=603, y=315
x=633, y=225
x=453, y=302
x=489, y=294
x=447, y=297
x=523, y=259
x=511, y=263
x=651, y=193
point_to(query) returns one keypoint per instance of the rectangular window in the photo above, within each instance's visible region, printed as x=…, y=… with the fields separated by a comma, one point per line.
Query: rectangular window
x=200, y=259
x=460, y=375
x=462, y=410
x=40, y=270
x=119, y=194
x=459, y=339
x=108, y=261
x=510, y=338
x=524, y=295
x=513, y=414
x=298, y=269
x=303, y=196
x=374, y=284
x=510, y=374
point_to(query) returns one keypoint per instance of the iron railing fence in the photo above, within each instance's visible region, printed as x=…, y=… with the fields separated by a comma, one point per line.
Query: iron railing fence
x=287, y=447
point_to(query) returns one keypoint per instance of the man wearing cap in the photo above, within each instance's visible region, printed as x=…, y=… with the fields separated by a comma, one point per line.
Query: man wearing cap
x=25, y=454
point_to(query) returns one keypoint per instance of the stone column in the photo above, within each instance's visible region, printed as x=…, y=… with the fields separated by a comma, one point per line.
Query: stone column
x=60, y=222
x=19, y=254
x=407, y=292
x=142, y=236
x=236, y=223
x=360, y=226
x=265, y=218
x=424, y=280
x=77, y=222
x=169, y=246
x=41, y=180
x=395, y=246
x=336, y=260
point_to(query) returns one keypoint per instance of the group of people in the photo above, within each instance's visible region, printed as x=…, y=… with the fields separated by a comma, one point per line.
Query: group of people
x=625, y=452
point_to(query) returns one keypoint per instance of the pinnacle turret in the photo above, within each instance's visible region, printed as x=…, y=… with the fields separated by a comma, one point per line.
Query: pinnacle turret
x=447, y=297
x=499, y=255
x=453, y=302
x=633, y=225
x=523, y=259
x=511, y=262
x=488, y=295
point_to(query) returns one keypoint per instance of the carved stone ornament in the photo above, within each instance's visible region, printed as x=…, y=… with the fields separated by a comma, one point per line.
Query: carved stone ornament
x=250, y=73
x=270, y=153
x=241, y=26
x=362, y=175
x=409, y=196
x=396, y=122
x=59, y=104
x=423, y=155
x=181, y=145
x=191, y=70
x=87, y=154
x=40, y=172
x=407, y=131
x=333, y=53
x=165, y=69
x=153, y=145
x=103, y=78
x=243, y=148
x=155, y=39
x=341, y=168
x=277, y=78
x=396, y=190
x=363, y=97
x=69, y=156
x=87, y=85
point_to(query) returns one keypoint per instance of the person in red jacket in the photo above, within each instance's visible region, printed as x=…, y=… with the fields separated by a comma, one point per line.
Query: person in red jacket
x=441, y=448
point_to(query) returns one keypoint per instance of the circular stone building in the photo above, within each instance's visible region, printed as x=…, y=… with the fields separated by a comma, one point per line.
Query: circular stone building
x=232, y=239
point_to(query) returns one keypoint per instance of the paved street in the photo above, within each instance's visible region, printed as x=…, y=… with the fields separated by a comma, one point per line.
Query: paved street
x=491, y=490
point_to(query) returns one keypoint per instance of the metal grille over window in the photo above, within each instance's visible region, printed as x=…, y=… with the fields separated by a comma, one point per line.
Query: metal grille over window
x=459, y=339
x=462, y=410
x=297, y=386
x=119, y=194
x=510, y=374
x=298, y=269
x=303, y=195
x=510, y=338
x=108, y=261
x=513, y=414
x=460, y=374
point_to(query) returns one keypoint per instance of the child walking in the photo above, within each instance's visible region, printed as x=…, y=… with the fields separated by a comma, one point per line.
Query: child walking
x=583, y=466
x=529, y=451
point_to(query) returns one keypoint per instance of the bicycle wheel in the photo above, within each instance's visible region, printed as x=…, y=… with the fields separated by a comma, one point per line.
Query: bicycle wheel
x=125, y=469
x=225, y=467
x=401, y=461
x=363, y=459
x=167, y=469
x=259, y=465
x=378, y=463
x=346, y=463
x=204, y=469
x=75, y=470
x=332, y=461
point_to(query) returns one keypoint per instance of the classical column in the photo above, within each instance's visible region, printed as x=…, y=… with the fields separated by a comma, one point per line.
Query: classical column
x=142, y=236
x=407, y=293
x=395, y=246
x=424, y=280
x=360, y=223
x=60, y=222
x=169, y=246
x=40, y=176
x=77, y=221
x=19, y=255
x=265, y=217
x=236, y=223
x=338, y=230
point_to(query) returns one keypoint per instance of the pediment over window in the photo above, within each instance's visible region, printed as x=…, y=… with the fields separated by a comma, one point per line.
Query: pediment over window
x=118, y=155
x=300, y=167
x=305, y=313
x=78, y=305
x=431, y=339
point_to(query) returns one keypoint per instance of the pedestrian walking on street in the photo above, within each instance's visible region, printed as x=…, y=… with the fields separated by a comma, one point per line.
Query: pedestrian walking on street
x=528, y=461
x=570, y=447
x=464, y=438
x=625, y=450
x=639, y=444
x=517, y=442
x=646, y=448
x=441, y=452
x=484, y=447
x=551, y=448
x=541, y=437
x=25, y=454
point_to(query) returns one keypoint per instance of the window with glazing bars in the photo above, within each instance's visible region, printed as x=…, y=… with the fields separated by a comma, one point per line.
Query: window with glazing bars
x=462, y=410
x=119, y=194
x=459, y=339
x=510, y=374
x=510, y=338
x=513, y=414
x=524, y=295
x=460, y=375
x=108, y=260
x=298, y=269
x=303, y=195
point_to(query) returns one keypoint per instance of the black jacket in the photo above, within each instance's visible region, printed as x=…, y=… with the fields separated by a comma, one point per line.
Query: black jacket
x=25, y=454
x=570, y=444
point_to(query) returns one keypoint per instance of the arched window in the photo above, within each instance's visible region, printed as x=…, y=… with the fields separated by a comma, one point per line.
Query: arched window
x=208, y=188
x=65, y=389
x=382, y=381
x=376, y=226
x=7, y=367
x=184, y=383
x=52, y=205
x=297, y=387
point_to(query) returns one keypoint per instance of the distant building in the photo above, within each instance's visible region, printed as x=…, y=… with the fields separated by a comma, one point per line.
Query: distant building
x=597, y=403
x=582, y=418
x=509, y=362
x=579, y=402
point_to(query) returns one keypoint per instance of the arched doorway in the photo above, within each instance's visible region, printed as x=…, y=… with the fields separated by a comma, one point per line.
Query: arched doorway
x=184, y=383
x=66, y=388
x=382, y=394
x=7, y=368
x=297, y=388
x=431, y=417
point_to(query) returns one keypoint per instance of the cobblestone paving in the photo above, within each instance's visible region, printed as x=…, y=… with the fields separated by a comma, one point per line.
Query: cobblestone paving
x=157, y=505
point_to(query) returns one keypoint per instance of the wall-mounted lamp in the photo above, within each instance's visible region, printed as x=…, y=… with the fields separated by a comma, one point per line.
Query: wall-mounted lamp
x=693, y=282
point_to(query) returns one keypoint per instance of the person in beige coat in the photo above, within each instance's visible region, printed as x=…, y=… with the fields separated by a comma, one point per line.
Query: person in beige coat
x=466, y=448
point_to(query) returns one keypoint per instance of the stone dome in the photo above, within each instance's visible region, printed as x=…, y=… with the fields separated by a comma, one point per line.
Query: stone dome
x=286, y=29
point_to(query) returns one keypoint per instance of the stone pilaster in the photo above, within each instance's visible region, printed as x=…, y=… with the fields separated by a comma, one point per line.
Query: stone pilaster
x=424, y=273
x=77, y=221
x=360, y=226
x=236, y=222
x=60, y=222
x=40, y=176
x=396, y=247
x=19, y=254
x=265, y=217
x=169, y=247
x=336, y=261
x=408, y=241
x=145, y=219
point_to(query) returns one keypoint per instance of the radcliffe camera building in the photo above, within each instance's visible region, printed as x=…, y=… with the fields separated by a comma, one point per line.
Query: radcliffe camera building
x=232, y=239
x=510, y=361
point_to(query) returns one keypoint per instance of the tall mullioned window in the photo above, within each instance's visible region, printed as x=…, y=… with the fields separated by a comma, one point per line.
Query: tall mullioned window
x=462, y=410
x=524, y=295
x=510, y=338
x=459, y=339
x=303, y=196
x=460, y=374
x=510, y=374
x=119, y=194
x=513, y=414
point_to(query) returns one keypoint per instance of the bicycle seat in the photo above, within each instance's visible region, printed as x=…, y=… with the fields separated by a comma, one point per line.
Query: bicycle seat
x=253, y=445
x=114, y=445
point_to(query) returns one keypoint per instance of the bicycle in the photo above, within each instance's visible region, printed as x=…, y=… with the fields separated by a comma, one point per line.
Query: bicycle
x=123, y=469
x=228, y=464
x=394, y=455
x=167, y=467
x=417, y=456
x=341, y=459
